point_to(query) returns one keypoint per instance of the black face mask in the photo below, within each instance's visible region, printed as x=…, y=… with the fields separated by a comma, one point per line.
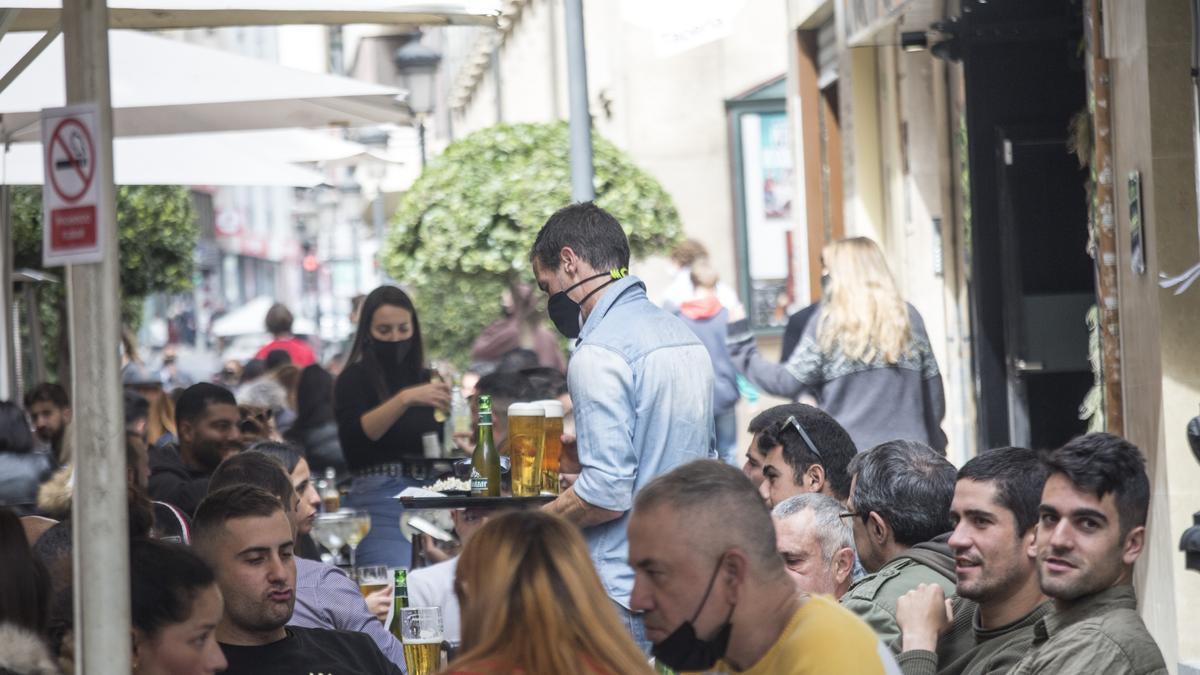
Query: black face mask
x=391, y=353
x=683, y=651
x=565, y=312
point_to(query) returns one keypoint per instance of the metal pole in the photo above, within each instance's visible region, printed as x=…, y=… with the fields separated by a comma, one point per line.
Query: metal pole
x=421, y=139
x=582, y=187
x=99, y=510
x=8, y=388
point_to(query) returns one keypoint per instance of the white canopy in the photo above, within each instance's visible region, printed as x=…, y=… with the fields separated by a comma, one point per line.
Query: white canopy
x=158, y=14
x=164, y=86
x=185, y=159
x=250, y=318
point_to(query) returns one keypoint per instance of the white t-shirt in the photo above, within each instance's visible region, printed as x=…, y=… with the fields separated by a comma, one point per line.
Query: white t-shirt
x=433, y=586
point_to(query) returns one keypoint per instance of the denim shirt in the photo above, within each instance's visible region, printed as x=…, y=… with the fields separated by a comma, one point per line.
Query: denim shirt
x=641, y=385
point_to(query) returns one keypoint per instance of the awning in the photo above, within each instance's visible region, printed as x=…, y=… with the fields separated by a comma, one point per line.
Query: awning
x=184, y=159
x=164, y=86
x=161, y=14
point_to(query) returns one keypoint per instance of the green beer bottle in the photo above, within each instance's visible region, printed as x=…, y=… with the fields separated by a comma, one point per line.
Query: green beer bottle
x=485, y=463
x=400, y=601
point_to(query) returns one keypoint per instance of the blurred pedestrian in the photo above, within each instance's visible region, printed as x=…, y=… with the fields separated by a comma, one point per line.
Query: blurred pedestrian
x=865, y=358
x=504, y=335
x=709, y=320
x=279, y=325
x=173, y=378
x=384, y=402
x=160, y=422
x=683, y=288
x=315, y=429
x=532, y=603
x=22, y=468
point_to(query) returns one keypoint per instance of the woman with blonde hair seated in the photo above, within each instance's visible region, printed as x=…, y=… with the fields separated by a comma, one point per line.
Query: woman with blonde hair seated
x=532, y=603
x=865, y=357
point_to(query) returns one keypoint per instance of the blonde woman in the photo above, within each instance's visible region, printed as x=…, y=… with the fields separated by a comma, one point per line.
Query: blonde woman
x=532, y=603
x=865, y=357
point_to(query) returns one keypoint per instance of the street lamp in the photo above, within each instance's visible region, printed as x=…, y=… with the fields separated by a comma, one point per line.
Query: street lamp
x=417, y=67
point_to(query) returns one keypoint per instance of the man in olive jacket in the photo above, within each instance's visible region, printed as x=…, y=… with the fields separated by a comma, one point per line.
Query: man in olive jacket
x=1091, y=530
x=899, y=504
x=995, y=515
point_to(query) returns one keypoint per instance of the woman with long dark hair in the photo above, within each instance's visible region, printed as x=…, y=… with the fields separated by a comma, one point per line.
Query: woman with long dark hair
x=24, y=602
x=315, y=429
x=384, y=402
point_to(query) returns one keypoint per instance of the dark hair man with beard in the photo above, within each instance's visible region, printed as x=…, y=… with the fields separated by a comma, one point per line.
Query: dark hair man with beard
x=206, y=417
x=1091, y=530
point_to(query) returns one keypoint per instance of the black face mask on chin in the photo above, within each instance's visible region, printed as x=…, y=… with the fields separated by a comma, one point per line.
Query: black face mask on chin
x=682, y=650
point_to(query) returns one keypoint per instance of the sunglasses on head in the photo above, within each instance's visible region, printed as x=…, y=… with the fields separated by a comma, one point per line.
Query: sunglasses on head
x=792, y=423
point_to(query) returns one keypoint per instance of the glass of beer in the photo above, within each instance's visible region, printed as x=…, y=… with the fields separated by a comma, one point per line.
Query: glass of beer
x=422, y=636
x=526, y=434
x=552, y=446
x=372, y=578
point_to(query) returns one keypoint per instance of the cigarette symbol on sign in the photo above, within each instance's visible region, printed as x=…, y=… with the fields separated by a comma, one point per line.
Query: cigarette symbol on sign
x=76, y=154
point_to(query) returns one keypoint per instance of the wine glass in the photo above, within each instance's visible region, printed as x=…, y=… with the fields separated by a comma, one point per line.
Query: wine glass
x=357, y=524
x=328, y=531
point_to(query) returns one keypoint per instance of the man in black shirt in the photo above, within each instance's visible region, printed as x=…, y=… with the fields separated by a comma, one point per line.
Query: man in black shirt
x=244, y=534
x=206, y=419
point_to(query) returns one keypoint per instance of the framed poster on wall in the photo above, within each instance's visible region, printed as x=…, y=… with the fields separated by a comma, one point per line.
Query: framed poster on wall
x=764, y=197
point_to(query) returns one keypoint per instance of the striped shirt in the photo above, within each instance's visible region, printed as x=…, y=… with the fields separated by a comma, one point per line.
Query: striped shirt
x=327, y=598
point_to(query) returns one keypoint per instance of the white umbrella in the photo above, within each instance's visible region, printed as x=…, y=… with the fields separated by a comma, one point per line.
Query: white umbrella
x=163, y=86
x=43, y=14
x=250, y=318
x=185, y=159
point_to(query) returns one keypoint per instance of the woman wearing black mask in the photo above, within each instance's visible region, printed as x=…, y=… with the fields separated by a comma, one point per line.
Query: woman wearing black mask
x=384, y=402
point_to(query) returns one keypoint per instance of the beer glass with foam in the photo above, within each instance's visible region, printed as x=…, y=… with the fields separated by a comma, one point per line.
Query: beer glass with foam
x=526, y=436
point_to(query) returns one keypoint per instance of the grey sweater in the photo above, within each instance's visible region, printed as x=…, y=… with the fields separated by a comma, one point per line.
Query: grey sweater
x=875, y=402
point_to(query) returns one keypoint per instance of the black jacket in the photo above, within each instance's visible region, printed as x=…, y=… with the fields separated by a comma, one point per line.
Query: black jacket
x=174, y=482
x=20, y=475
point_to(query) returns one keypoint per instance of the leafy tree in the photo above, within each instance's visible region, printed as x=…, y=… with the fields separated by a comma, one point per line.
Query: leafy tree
x=463, y=231
x=156, y=238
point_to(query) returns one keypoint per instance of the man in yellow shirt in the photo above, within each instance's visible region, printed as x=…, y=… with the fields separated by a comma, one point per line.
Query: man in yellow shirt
x=715, y=595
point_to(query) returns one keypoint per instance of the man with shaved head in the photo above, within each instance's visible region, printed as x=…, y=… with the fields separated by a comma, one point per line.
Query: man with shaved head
x=715, y=594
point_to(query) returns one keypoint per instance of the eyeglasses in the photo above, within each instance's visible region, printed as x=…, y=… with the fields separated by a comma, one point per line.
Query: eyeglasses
x=853, y=514
x=793, y=423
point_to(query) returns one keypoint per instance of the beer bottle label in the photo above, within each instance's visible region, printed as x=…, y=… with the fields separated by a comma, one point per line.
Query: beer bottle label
x=479, y=483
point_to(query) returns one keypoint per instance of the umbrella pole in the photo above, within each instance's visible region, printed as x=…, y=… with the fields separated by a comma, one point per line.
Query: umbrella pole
x=8, y=388
x=99, y=507
x=582, y=184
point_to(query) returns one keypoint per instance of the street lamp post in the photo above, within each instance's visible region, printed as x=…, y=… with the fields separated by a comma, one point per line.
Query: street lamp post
x=417, y=67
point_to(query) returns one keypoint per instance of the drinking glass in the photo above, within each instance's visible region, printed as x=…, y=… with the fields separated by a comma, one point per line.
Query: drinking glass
x=357, y=524
x=328, y=531
x=373, y=578
x=526, y=435
x=422, y=635
x=552, y=446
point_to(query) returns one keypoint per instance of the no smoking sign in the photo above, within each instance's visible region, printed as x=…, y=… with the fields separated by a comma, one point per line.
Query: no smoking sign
x=72, y=231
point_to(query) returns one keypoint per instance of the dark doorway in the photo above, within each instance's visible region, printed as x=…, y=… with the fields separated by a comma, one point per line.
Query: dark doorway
x=1047, y=283
x=1031, y=279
